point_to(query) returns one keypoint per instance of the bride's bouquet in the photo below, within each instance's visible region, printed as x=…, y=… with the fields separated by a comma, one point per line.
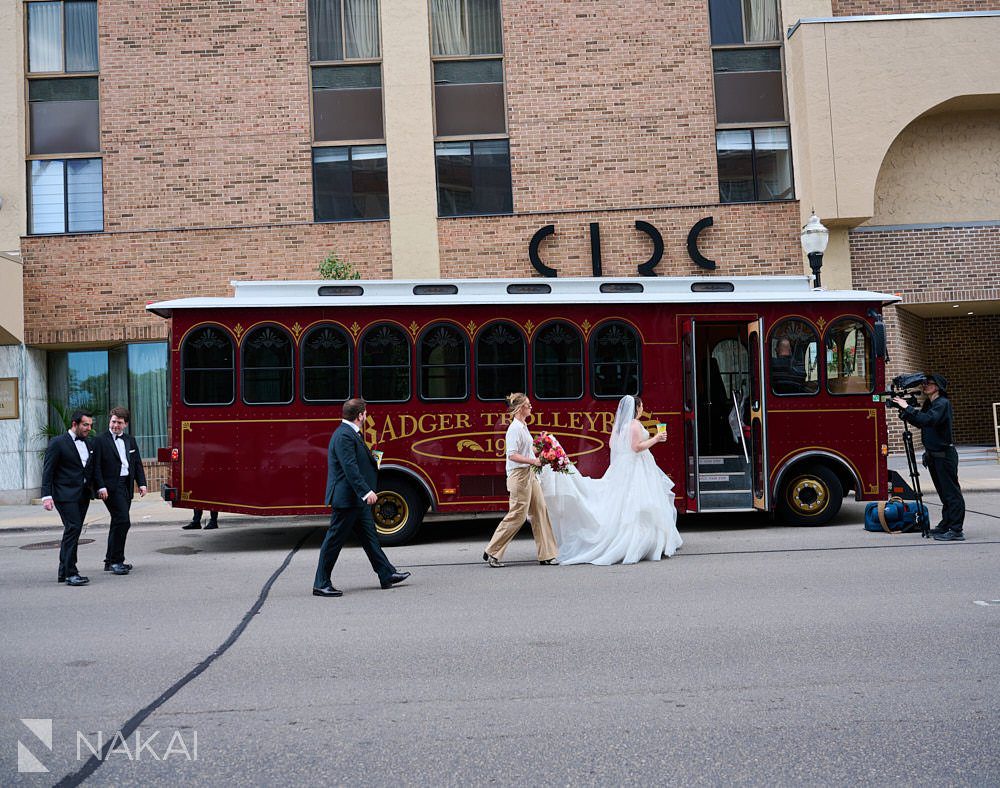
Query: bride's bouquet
x=548, y=450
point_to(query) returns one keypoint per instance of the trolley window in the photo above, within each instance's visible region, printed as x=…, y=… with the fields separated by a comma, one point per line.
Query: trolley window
x=444, y=367
x=207, y=369
x=850, y=363
x=794, y=358
x=614, y=360
x=326, y=365
x=267, y=367
x=500, y=361
x=385, y=364
x=558, y=362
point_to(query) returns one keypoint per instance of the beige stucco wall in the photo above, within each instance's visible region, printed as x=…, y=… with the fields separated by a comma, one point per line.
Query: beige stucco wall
x=12, y=188
x=942, y=167
x=409, y=134
x=854, y=86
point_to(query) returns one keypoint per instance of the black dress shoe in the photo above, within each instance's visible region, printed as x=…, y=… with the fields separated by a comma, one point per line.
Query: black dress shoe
x=211, y=525
x=120, y=569
x=192, y=526
x=77, y=580
x=950, y=536
x=395, y=577
x=60, y=579
x=108, y=565
x=327, y=591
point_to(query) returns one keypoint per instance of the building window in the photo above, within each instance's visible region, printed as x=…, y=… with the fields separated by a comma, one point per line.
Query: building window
x=347, y=103
x=267, y=367
x=744, y=21
x=614, y=360
x=850, y=363
x=62, y=37
x=346, y=91
x=66, y=196
x=558, y=362
x=473, y=177
x=207, y=370
x=326, y=365
x=444, y=364
x=63, y=116
x=466, y=27
x=97, y=380
x=385, y=364
x=350, y=183
x=794, y=358
x=469, y=98
x=500, y=361
x=749, y=85
x=754, y=164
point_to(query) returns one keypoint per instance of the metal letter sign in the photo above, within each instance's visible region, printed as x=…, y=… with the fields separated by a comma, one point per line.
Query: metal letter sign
x=645, y=269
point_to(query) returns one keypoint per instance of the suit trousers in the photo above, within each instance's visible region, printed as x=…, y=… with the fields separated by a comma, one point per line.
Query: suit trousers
x=118, y=503
x=944, y=474
x=357, y=520
x=72, y=514
x=525, y=500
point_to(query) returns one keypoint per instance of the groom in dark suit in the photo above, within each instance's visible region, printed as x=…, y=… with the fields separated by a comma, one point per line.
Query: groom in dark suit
x=67, y=485
x=117, y=469
x=352, y=476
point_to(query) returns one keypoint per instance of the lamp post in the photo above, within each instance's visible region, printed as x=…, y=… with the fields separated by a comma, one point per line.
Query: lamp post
x=814, y=240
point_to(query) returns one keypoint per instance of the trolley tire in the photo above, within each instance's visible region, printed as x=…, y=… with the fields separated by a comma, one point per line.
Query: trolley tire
x=398, y=512
x=810, y=495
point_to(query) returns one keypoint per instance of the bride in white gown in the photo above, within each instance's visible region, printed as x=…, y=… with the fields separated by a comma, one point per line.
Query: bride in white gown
x=627, y=515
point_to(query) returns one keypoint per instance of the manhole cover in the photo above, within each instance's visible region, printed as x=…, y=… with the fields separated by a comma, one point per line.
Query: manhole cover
x=54, y=544
x=178, y=550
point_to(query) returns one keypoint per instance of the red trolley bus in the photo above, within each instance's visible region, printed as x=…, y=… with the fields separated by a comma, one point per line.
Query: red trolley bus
x=768, y=387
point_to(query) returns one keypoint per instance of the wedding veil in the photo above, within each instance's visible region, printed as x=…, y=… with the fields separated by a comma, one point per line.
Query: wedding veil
x=621, y=441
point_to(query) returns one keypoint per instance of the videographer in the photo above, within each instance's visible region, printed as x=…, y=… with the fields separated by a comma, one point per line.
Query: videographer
x=940, y=456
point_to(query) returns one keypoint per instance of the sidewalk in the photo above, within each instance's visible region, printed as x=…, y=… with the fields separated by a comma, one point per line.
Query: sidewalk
x=975, y=476
x=149, y=510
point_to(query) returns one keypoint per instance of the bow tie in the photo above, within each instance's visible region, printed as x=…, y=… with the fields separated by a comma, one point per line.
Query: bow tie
x=78, y=438
x=119, y=437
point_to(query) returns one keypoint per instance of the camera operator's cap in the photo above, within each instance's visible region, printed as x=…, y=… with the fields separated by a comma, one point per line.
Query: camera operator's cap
x=938, y=380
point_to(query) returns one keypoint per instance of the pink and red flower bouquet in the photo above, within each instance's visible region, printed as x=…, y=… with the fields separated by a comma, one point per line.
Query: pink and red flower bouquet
x=548, y=450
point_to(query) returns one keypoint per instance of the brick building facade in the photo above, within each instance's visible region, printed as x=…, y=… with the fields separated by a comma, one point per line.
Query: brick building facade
x=210, y=133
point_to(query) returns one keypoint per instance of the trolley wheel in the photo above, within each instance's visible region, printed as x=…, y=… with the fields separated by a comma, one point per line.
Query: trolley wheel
x=810, y=495
x=398, y=512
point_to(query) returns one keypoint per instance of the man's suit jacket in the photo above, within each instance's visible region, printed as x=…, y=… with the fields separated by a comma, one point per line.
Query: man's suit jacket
x=108, y=463
x=64, y=477
x=351, y=469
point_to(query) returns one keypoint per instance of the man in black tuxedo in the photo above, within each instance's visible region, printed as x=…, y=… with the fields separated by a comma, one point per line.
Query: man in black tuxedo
x=67, y=485
x=117, y=469
x=352, y=475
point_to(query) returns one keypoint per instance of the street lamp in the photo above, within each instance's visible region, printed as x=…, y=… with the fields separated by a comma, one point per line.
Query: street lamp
x=814, y=240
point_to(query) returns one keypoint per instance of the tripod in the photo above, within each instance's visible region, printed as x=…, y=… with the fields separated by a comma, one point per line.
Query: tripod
x=911, y=461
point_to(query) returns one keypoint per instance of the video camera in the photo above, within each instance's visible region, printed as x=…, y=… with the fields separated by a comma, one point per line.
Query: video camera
x=903, y=385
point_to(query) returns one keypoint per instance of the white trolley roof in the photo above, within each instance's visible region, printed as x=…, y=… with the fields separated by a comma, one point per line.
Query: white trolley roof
x=569, y=290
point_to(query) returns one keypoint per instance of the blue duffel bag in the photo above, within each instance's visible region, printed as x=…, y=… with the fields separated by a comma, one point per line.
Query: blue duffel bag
x=894, y=516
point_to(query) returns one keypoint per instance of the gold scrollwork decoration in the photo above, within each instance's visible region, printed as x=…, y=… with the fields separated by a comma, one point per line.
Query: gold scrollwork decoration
x=186, y=495
x=586, y=326
x=471, y=327
x=355, y=329
x=238, y=331
x=529, y=328
x=297, y=330
x=413, y=329
x=821, y=322
x=186, y=426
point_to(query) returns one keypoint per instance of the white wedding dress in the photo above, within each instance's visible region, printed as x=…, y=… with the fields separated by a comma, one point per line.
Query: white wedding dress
x=626, y=516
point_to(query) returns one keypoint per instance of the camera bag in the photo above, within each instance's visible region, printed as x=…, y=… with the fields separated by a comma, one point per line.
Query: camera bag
x=894, y=516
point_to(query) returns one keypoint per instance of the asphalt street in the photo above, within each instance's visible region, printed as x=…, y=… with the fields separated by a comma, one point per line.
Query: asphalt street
x=758, y=655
